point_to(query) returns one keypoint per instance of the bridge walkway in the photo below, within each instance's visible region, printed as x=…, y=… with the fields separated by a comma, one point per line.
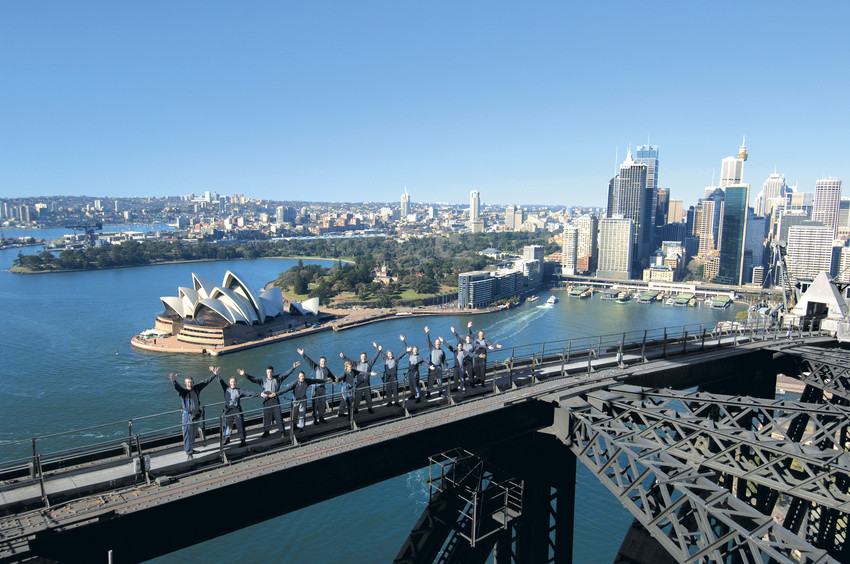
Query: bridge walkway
x=512, y=381
x=93, y=477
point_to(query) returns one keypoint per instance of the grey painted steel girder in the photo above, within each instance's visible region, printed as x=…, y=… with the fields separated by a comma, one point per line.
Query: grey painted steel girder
x=829, y=370
x=694, y=518
x=754, y=456
x=770, y=417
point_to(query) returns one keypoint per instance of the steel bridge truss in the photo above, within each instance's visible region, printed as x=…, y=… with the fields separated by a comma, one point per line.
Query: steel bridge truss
x=828, y=370
x=472, y=506
x=703, y=473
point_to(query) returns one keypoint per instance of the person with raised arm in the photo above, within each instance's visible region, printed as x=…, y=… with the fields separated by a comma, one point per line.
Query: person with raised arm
x=437, y=360
x=480, y=346
x=321, y=372
x=463, y=364
x=299, y=396
x=191, y=410
x=233, y=408
x=347, y=389
x=390, y=374
x=271, y=403
x=414, y=360
x=363, y=372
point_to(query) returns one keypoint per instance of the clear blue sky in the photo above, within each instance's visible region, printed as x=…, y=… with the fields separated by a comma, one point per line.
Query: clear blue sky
x=527, y=102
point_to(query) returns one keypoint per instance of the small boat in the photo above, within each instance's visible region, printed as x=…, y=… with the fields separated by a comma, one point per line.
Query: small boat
x=552, y=300
x=624, y=296
x=533, y=298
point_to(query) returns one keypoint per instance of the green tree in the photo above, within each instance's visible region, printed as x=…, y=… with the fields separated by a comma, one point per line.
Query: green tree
x=298, y=285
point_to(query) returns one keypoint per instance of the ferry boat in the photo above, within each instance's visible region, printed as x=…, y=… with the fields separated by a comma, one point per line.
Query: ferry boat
x=624, y=296
x=552, y=300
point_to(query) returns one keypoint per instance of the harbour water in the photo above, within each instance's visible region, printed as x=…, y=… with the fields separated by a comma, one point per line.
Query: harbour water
x=68, y=363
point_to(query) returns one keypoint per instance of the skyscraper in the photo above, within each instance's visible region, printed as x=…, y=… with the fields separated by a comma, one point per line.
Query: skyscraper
x=732, y=237
x=704, y=226
x=662, y=210
x=588, y=229
x=827, y=202
x=809, y=250
x=405, y=204
x=772, y=194
x=510, y=214
x=675, y=211
x=648, y=155
x=732, y=168
x=629, y=197
x=476, y=224
x=615, y=250
x=569, y=250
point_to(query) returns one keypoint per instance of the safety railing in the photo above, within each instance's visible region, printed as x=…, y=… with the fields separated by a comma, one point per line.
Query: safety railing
x=133, y=439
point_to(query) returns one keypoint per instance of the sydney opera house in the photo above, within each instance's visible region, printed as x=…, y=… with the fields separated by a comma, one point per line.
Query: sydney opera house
x=230, y=313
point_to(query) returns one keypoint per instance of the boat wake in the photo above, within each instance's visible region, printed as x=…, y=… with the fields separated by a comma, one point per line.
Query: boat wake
x=522, y=321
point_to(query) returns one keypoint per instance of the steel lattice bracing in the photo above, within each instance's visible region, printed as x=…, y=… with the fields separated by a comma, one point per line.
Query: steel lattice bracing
x=829, y=370
x=678, y=501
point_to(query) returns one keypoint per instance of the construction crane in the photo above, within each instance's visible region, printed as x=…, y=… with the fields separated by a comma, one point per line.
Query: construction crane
x=89, y=229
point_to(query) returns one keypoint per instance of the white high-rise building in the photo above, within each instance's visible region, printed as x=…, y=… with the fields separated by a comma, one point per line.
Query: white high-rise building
x=405, y=204
x=732, y=168
x=569, y=250
x=827, y=202
x=474, y=206
x=809, y=251
x=588, y=230
x=772, y=194
x=615, y=248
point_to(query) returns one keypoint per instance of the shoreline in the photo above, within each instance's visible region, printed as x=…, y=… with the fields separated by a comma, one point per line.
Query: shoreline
x=63, y=271
x=341, y=320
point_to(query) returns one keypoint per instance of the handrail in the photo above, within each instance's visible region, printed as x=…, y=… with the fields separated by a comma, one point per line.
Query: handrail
x=500, y=360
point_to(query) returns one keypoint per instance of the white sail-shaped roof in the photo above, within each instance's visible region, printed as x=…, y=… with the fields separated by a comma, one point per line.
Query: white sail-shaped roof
x=217, y=307
x=307, y=306
x=239, y=306
x=273, y=299
x=189, y=296
x=174, y=303
x=234, y=282
x=202, y=285
x=235, y=300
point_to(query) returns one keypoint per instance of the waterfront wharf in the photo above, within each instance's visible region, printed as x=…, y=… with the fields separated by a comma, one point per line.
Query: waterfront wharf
x=82, y=501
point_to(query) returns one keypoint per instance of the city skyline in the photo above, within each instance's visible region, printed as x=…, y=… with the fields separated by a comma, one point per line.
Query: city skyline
x=353, y=103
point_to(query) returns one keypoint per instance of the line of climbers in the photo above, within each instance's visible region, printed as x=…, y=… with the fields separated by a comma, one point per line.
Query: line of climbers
x=470, y=361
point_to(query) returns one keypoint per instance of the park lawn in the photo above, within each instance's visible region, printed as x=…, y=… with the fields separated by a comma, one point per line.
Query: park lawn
x=411, y=295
